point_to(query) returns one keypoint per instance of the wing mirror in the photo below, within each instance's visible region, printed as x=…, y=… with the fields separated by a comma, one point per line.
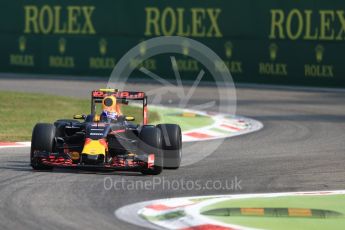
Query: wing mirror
x=79, y=116
x=129, y=118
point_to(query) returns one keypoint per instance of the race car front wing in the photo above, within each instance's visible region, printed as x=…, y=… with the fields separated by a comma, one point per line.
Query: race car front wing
x=119, y=163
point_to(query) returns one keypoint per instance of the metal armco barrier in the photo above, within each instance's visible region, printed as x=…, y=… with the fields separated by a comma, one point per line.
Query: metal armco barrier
x=281, y=42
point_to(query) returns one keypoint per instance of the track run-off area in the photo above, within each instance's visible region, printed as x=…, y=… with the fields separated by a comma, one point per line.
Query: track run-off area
x=295, y=210
x=301, y=147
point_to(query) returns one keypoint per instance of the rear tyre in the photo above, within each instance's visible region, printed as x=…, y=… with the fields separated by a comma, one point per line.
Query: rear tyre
x=151, y=143
x=42, y=140
x=172, y=145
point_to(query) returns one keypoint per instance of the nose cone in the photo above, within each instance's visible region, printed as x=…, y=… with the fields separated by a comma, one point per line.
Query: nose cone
x=95, y=147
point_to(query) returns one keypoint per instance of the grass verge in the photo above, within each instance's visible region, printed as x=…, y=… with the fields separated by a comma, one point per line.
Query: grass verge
x=334, y=203
x=173, y=115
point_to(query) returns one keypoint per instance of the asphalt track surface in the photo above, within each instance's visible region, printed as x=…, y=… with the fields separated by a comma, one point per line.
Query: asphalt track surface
x=301, y=147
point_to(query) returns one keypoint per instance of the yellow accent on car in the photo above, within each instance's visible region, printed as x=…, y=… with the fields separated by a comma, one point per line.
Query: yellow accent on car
x=75, y=155
x=130, y=118
x=78, y=116
x=108, y=90
x=96, y=118
x=94, y=147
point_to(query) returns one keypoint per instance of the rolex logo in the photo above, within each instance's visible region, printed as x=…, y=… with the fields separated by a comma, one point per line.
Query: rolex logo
x=62, y=45
x=103, y=46
x=273, y=51
x=185, y=47
x=228, y=49
x=319, y=51
x=142, y=48
x=22, y=43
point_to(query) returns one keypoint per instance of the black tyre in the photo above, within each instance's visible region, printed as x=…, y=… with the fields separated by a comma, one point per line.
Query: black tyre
x=151, y=142
x=42, y=140
x=172, y=145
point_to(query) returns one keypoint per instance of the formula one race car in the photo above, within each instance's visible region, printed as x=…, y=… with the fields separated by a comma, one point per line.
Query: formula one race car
x=109, y=140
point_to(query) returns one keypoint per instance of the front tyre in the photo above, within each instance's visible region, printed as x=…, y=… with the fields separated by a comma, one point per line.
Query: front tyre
x=42, y=140
x=151, y=143
x=172, y=145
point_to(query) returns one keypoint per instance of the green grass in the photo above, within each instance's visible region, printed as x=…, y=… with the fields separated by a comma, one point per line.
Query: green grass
x=172, y=115
x=19, y=112
x=329, y=202
x=166, y=216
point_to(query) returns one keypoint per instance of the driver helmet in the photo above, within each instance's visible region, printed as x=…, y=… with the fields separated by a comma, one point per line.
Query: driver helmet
x=109, y=108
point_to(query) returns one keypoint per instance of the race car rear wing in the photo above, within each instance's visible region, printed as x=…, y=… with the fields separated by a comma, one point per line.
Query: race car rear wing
x=122, y=97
